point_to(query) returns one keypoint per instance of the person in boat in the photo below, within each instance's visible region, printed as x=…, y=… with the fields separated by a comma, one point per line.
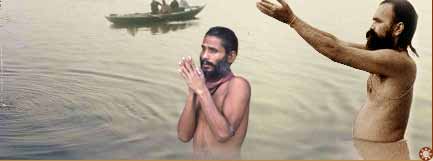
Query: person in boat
x=216, y=111
x=183, y=4
x=385, y=56
x=164, y=7
x=154, y=7
x=174, y=6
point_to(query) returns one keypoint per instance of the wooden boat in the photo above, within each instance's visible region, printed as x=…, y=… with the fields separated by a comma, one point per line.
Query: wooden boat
x=144, y=18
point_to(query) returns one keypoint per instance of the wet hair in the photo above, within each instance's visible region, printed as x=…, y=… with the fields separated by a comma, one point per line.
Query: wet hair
x=404, y=12
x=228, y=37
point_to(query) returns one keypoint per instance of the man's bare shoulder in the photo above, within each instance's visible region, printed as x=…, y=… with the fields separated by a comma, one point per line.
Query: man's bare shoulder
x=239, y=82
x=407, y=61
x=238, y=95
x=401, y=60
x=402, y=56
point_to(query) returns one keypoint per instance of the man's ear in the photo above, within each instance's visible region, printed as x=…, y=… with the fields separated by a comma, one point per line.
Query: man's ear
x=398, y=29
x=231, y=57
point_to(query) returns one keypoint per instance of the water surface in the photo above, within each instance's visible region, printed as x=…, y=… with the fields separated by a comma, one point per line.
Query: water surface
x=82, y=88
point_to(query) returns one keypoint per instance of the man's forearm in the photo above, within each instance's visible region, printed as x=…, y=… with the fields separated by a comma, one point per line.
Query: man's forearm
x=356, y=45
x=187, y=121
x=325, y=43
x=219, y=125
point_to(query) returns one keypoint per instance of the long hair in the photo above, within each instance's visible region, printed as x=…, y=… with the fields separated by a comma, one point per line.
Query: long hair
x=404, y=12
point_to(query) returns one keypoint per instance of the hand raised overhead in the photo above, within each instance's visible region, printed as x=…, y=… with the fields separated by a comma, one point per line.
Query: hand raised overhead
x=281, y=12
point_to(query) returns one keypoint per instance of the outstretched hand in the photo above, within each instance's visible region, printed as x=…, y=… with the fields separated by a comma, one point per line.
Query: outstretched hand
x=192, y=75
x=282, y=13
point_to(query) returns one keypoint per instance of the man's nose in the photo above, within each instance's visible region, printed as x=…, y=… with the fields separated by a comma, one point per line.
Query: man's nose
x=373, y=26
x=205, y=55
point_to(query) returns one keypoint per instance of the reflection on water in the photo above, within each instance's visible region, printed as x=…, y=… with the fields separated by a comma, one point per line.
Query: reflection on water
x=3, y=17
x=155, y=28
x=382, y=151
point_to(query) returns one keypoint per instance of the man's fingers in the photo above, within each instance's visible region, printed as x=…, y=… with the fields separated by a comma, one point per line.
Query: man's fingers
x=263, y=9
x=283, y=3
x=181, y=73
x=182, y=70
x=186, y=65
x=188, y=73
x=181, y=62
x=200, y=73
x=191, y=63
x=268, y=6
x=266, y=1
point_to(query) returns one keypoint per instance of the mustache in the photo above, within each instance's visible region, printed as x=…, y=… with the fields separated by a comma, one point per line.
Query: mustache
x=206, y=62
x=375, y=42
x=220, y=68
x=370, y=33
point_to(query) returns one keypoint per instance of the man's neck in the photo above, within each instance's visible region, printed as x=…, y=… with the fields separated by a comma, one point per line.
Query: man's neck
x=212, y=83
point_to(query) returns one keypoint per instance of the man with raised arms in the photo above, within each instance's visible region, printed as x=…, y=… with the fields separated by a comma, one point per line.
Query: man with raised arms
x=384, y=116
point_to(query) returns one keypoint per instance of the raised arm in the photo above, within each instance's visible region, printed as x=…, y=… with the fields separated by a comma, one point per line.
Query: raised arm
x=355, y=45
x=384, y=62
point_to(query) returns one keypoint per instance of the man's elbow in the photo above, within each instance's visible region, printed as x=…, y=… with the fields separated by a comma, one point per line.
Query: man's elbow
x=334, y=52
x=224, y=136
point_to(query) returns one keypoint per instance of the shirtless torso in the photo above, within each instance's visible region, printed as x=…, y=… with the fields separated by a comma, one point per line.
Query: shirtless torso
x=384, y=116
x=211, y=139
x=205, y=145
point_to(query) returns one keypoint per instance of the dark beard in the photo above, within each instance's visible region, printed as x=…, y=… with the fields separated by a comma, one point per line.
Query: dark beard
x=374, y=42
x=220, y=69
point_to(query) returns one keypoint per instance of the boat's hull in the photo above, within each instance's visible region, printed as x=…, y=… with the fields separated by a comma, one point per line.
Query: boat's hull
x=143, y=18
